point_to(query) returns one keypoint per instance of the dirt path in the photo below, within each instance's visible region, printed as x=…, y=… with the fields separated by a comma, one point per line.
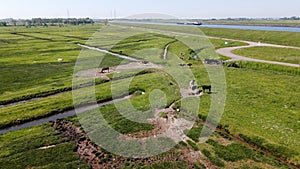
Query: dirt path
x=170, y=127
x=166, y=52
x=98, y=73
x=164, y=56
x=228, y=51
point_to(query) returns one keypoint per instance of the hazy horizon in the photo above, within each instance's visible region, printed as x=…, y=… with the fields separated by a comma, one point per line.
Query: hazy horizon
x=119, y=9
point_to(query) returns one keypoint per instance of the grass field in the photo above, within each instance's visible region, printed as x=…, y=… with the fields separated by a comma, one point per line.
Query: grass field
x=21, y=113
x=260, y=103
x=21, y=149
x=271, y=53
x=29, y=65
x=273, y=37
x=261, y=107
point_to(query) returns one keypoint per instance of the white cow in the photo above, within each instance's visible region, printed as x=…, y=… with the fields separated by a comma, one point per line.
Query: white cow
x=192, y=84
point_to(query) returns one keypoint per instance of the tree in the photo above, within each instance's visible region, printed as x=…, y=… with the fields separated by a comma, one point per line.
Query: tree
x=105, y=22
x=28, y=23
x=14, y=22
x=3, y=24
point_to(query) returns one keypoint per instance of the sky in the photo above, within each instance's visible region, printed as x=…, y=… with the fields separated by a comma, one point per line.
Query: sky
x=184, y=9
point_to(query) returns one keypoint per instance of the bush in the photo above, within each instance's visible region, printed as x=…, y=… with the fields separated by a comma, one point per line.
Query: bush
x=199, y=166
x=214, y=160
x=194, y=133
x=163, y=115
x=175, y=165
x=193, y=145
x=183, y=144
x=202, y=117
x=233, y=152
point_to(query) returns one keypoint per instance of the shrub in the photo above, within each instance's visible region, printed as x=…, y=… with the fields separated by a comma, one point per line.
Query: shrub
x=199, y=166
x=214, y=160
x=194, y=133
x=163, y=115
x=183, y=144
x=233, y=152
x=193, y=145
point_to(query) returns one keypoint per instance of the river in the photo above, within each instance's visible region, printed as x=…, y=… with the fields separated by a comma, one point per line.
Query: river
x=245, y=27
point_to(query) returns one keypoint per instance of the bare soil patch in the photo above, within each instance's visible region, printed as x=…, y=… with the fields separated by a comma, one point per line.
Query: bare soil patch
x=98, y=73
x=99, y=159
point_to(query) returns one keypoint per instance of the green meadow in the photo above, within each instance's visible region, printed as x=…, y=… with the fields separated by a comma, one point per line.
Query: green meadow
x=271, y=53
x=261, y=102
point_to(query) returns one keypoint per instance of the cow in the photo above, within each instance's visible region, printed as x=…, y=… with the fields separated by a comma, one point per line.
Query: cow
x=192, y=84
x=189, y=64
x=105, y=69
x=206, y=87
x=181, y=64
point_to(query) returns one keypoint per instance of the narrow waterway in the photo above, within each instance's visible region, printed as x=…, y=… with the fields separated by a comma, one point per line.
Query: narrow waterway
x=32, y=99
x=61, y=115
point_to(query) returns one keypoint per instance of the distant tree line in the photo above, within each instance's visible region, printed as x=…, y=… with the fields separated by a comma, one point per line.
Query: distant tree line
x=290, y=18
x=47, y=22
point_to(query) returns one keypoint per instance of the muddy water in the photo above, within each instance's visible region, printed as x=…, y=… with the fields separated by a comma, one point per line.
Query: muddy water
x=61, y=115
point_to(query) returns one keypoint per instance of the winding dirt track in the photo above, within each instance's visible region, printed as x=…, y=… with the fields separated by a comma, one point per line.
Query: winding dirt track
x=228, y=52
